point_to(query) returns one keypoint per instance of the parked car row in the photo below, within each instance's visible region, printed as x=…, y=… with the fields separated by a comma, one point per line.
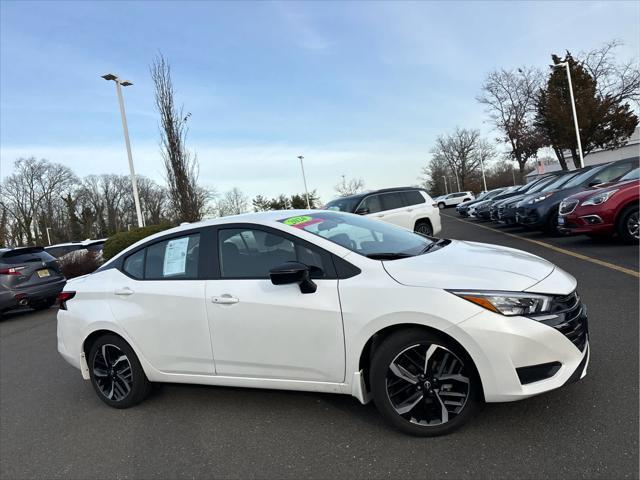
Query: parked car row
x=598, y=201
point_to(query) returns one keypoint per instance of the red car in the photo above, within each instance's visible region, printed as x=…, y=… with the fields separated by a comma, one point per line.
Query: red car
x=604, y=210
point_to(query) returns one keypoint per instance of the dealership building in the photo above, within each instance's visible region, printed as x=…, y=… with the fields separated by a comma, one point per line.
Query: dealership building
x=630, y=150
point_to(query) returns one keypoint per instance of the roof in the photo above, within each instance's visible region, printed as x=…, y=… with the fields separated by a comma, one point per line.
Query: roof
x=381, y=190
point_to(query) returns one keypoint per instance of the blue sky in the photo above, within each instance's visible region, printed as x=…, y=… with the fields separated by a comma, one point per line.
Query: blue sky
x=360, y=89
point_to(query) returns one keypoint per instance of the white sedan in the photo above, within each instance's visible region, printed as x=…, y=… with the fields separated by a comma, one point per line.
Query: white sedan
x=327, y=302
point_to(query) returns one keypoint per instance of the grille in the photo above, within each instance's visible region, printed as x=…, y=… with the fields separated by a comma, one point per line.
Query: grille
x=568, y=206
x=570, y=319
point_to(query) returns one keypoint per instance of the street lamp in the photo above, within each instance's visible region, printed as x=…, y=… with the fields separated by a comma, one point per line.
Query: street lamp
x=48, y=235
x=304, y=179
x=446, y=188
x=484, y=180
x=134, y=183
x=573, y=107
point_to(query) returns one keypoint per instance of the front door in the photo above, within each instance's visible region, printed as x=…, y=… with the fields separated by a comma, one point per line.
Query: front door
x=271, y=331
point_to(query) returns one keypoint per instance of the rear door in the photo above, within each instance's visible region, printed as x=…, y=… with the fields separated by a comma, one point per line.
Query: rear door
x=157, y=296
x=394, y=210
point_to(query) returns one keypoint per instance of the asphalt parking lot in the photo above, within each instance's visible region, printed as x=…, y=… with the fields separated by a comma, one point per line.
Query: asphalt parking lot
x=54, y=426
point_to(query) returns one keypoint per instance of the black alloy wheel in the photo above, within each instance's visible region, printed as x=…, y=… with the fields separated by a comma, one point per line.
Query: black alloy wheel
x=116, y=373
x=424, y=228
x=423, y=384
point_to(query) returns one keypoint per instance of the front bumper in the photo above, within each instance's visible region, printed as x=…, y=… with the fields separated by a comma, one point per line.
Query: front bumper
x=593, y=223
x=530, y=217
x=499, y=345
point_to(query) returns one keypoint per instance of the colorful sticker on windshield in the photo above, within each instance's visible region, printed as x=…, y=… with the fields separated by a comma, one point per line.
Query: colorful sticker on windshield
x=301, y=221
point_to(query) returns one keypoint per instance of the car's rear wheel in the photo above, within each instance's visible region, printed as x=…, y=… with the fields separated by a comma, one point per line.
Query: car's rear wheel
x=441, y=205
x=628, y=226
x=116, y=373
x=423, y=384
x=424, y=227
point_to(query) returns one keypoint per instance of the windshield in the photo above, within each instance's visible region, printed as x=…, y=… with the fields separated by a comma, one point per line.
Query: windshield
x=632, y=175
x=559, y=182
x=362, y=235
x=578, y=179
x=345, y=204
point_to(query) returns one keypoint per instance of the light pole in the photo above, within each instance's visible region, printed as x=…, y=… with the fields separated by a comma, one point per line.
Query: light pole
x=573, y=107
x=304, y=179
x=125, y=83
x=446, y=187
x=484, y=180
x=48, y=236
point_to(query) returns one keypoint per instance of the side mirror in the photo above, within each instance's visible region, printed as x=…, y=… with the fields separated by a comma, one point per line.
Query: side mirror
x=362, y=211
x=293, y=272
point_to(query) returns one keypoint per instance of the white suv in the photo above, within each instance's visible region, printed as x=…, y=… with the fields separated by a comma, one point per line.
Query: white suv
x=453, y=199
x=408, y=207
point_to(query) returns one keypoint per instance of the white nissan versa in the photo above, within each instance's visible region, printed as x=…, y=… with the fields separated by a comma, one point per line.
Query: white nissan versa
x=328, y=302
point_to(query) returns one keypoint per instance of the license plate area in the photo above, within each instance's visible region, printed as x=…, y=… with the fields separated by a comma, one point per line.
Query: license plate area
x=560, y=220
x=43, y=273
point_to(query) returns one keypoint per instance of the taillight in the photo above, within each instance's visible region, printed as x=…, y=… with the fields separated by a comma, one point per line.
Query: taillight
x=12, y=270
x=63, y=297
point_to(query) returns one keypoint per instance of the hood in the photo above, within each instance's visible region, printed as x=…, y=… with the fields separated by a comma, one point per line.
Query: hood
x=604, y=187
x=471, y=265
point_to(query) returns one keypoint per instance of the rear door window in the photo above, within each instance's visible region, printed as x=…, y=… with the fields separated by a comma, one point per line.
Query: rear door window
x=174, y=258
x=391, y=201
x=413, y=198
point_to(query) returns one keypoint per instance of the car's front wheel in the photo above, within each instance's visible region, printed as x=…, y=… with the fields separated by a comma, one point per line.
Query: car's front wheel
x=423, y=384
x=628, y=224
x=116, y=373
x=441, y=205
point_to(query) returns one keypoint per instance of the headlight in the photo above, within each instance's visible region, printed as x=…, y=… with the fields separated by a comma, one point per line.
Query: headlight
x=508, y=303
x=599, y=198
x=539, y=198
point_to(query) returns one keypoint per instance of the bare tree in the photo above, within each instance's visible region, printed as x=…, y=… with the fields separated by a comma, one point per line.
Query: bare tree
x=510, y=97
x=618, y=80
x=31, y=196
x=462, y=151
x=233, y=202
x=349, y=187
x=181, y=167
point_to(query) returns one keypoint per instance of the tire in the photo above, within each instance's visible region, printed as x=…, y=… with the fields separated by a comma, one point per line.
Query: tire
x=423, y=411
x=44, y=304
x=551, y=225
x=120, y=383
x=424, y=227
x=441, y=205
x=627, y=225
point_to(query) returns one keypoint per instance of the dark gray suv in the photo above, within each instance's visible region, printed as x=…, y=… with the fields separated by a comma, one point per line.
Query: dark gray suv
x=29, y=276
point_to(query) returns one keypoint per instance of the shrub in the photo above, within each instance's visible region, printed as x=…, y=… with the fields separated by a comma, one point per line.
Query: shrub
x=80, y=262
x=118, y=242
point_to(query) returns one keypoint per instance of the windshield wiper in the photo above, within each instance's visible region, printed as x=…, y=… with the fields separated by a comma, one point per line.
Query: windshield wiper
x=388, y=255
x=440, y=243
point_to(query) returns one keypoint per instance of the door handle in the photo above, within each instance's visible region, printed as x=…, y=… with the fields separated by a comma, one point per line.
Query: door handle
x=124, y=292
x=379, y=215
x=225, y=300
x=409, y=209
